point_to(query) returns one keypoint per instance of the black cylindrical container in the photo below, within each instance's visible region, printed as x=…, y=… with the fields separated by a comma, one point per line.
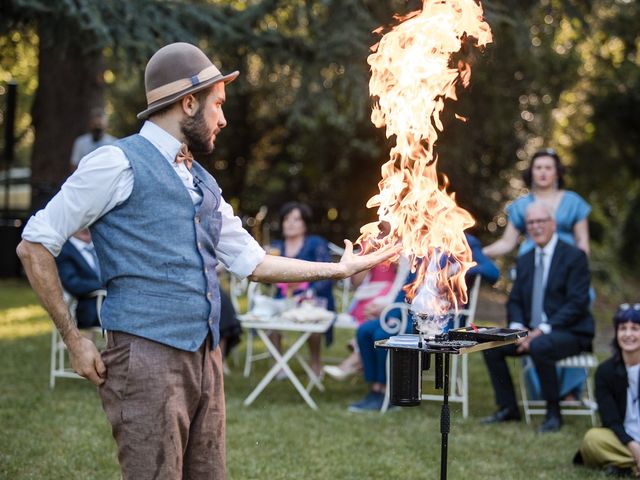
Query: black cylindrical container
x=405, y=378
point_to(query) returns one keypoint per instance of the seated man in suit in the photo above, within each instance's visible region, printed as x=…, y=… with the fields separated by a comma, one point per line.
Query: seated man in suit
x=80, y=275
x=550, y=298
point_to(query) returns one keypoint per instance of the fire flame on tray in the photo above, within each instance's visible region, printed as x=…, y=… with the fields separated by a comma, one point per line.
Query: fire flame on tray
x=412, y=73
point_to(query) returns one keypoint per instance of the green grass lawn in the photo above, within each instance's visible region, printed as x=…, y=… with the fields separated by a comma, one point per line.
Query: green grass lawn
x=63, y=434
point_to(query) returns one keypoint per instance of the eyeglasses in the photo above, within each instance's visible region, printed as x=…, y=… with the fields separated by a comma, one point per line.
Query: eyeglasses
x=531, y=223
x=627, y=306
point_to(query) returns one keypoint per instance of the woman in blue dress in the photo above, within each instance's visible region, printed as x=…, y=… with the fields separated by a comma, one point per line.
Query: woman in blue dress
x=295, y=243
x=545, y=180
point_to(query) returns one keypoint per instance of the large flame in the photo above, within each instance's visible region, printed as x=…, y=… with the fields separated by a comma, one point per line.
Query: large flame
x=412, y=73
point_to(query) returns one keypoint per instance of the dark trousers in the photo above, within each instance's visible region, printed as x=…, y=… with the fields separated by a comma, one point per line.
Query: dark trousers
x=545, y=351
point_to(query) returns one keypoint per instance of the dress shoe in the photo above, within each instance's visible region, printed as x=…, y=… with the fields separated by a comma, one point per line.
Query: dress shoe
x=552, y=423
x=613, y=471
x=372, y=401
x=502, y=415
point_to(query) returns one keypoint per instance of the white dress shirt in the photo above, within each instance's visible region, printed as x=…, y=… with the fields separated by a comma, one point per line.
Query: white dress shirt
x=104, y=179
x=548, y=250
x=82, y=248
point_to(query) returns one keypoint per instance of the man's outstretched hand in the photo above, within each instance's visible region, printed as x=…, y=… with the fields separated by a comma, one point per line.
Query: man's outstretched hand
x=352, y=263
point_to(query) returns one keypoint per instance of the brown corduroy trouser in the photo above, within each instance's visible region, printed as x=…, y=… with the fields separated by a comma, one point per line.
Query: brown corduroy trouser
x=166, y=408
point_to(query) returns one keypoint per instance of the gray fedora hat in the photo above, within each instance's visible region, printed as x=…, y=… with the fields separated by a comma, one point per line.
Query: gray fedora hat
x=176, y=70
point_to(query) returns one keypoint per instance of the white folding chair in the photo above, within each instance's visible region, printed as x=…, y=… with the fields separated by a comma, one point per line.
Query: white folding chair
x=58, y=367
x=459, y=376
x=587, y=405
x=239, y=289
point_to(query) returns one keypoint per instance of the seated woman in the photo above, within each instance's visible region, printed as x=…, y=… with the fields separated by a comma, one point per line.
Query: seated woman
x=296, y=243
x=616, y=446
x=375, y=289
x=374, y=359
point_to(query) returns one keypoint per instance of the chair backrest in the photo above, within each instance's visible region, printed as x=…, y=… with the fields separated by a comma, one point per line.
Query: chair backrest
x=467, y=315
x=395, y=317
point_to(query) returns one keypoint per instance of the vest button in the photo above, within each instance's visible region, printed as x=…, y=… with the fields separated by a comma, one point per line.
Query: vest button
x=197, y=219
x=209, y=296
x=206, y=269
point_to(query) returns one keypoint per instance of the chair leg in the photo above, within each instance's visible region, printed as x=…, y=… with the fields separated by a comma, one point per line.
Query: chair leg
x=590, y=397
x=52, y=377
x=523, y=390
x=465, y=385
x=387, y=390
x=249, y=355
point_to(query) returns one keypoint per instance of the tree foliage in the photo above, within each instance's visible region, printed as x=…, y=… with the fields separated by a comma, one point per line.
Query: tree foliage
x=559, y=73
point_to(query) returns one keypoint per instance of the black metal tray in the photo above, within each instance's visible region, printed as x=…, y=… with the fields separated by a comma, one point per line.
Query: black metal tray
x=485, y=334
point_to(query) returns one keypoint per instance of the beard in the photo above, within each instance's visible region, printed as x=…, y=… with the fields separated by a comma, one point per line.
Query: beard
x=196, y=133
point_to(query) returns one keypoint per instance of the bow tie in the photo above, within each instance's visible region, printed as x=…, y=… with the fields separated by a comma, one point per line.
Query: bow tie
x=184, y=155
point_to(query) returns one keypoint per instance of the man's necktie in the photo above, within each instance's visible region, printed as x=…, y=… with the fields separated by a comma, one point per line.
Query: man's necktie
x=96, y=264
x=184, y=155
x=537, y=299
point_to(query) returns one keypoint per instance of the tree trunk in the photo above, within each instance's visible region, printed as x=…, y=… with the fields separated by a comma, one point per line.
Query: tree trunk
x=70, y=84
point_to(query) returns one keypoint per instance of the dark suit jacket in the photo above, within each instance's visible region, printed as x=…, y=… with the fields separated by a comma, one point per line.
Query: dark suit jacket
x=79, y=279
x=611, y=395
x=566, y=296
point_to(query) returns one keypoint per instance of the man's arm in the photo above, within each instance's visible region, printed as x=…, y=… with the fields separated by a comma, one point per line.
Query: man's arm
x=40, y=266
x=282, y=269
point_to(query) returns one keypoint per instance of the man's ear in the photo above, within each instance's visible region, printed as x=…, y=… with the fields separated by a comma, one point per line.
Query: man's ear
x=189, y=105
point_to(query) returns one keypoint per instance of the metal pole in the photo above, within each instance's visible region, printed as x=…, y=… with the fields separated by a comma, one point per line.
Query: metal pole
x=445, y=420
x=9, y=139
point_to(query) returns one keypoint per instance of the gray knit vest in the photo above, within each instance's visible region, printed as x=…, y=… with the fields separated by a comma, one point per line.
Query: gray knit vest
x=156, y=252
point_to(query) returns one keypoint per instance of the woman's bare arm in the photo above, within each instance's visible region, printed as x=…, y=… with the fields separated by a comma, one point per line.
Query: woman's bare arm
x=581, y=235
x=505, y=244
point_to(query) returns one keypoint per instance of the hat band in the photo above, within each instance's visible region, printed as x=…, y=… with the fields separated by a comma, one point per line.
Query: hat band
x=179, y=85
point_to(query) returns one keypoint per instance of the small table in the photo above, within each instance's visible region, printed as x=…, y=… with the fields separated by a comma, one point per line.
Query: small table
x=304, y=329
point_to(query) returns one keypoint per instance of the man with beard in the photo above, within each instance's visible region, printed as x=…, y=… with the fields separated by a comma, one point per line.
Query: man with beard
x=160, y=226
x=96, y=137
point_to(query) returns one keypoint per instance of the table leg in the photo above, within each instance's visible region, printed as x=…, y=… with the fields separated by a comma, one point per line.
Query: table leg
x=281, y=363
x=314, y=380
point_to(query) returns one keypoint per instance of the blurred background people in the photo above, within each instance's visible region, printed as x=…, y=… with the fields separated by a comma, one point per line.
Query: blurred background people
x=375, y=289
x=297, y=243
x=615, y=446
x=545, y=180
x=549, y=298
x=97, y=136
x=230, y=328
x=79, y=272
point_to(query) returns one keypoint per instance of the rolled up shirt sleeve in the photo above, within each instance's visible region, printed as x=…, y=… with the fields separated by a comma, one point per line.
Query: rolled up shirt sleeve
x=103, y=180
x=236, y=249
